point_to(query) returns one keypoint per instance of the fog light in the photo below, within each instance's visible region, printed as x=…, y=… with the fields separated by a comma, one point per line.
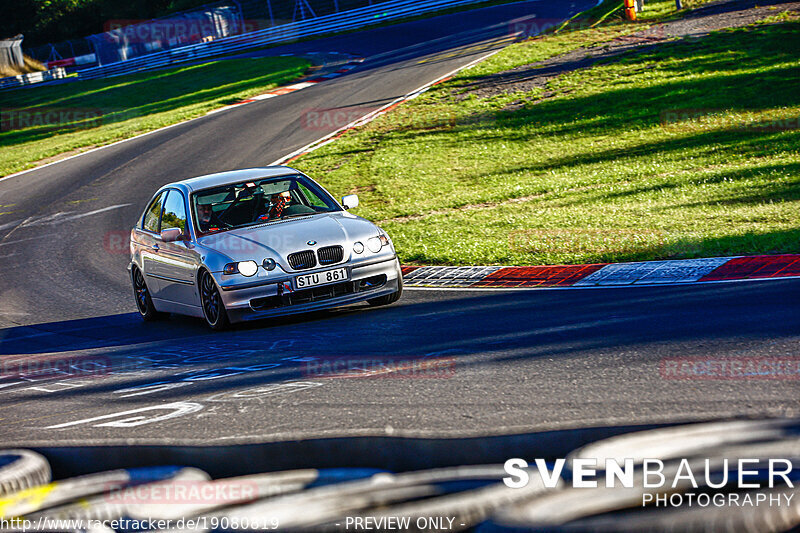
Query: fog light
x=247, y=268
x=269, y=263
x=358, y=247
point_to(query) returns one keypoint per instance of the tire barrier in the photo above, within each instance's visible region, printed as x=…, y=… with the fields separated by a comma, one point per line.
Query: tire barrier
x=22, y=469
x=454, y=498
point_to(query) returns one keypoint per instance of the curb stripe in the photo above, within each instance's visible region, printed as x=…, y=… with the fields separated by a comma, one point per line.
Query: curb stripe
x=538, y=276
x=598, y=275
x=295, y=86
x=436, y=276
x=755, y=267
x=684, y=271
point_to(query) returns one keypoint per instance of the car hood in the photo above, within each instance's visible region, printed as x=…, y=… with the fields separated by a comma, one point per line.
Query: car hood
x=279, y=239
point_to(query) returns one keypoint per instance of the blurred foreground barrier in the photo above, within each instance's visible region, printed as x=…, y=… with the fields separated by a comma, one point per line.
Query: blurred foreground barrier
x=586, y=479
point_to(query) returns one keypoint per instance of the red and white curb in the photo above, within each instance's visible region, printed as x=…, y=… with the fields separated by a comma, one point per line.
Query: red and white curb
x=344, y=69
x=606, y=275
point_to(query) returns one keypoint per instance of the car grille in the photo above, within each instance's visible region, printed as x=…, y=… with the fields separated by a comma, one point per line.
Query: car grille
x=302, y=260
x=320, y=293
x=330, y=255
x=316, y=294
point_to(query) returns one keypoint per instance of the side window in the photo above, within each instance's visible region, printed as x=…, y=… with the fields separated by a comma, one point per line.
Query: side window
x=174, y=212
x=313, y=199
x=153, y=214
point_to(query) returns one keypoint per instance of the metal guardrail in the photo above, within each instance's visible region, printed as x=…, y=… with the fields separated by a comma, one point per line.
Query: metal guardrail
x=34, y=77
x=284, y=33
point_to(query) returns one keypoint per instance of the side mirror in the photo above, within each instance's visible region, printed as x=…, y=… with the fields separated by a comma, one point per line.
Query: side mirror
x=171, y=234
x=350, y=201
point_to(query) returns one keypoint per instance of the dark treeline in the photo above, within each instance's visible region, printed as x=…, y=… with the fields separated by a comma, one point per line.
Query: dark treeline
x=50, y=21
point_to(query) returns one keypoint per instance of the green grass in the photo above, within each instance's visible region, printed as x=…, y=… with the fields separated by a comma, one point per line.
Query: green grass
x=584, y=170
x=133, y=104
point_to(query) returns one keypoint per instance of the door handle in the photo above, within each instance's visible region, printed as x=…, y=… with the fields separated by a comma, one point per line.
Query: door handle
x=155, y=247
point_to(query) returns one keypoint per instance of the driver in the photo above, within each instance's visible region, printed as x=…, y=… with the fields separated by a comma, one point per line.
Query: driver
x=277, y=204
x=205, y=218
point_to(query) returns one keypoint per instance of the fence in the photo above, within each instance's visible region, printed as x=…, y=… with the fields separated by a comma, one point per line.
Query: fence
x=35, y=77
x=284, y=33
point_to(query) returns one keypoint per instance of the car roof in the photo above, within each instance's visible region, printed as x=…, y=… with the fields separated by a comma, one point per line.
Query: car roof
x=232, y=176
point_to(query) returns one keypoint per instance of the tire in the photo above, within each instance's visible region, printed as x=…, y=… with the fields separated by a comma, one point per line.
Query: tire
x=98, y=496
x=141, y=295
x=22, y=469
x=755, y=519
x=620, y=509
x=467, y=508
x=214, y=312
x=318, y=508
x=389, y=298
x=686, y=440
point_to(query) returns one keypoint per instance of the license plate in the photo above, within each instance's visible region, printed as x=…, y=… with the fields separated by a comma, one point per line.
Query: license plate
x=320, y=278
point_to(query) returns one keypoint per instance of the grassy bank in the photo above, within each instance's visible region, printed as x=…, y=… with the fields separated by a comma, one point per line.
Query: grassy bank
x=685, y=149
x=126, y=105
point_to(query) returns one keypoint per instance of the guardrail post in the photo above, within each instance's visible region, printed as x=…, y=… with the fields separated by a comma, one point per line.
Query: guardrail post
x=630, y=9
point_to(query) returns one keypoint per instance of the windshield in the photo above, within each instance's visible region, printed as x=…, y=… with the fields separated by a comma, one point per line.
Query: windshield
x=248, y=203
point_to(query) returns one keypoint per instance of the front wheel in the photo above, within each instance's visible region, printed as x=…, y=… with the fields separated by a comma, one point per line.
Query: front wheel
x=144, y=303
x=213, y=308
x=389, y=298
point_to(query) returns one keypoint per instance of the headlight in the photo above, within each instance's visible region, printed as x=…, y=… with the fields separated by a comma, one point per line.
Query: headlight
x=269, y=264
x=245, y=268
x=358, y=247
x=374, y=244
x=248, y=268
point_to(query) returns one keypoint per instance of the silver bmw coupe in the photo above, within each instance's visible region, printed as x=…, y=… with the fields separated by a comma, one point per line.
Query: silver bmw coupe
x=249, y=244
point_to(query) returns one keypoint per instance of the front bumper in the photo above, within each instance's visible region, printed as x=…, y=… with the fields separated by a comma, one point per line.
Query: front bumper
x=271, y=298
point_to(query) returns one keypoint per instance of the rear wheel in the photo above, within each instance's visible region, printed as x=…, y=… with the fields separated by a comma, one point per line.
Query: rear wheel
x=144, y=303
x=213, y=308
x=389, y=298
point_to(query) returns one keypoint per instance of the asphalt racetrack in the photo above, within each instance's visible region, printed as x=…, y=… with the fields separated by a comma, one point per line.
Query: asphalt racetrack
x=486, y=361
